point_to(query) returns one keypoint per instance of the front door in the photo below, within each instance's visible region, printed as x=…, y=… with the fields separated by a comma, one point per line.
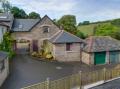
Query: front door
x=99, y=58
x=35, y=45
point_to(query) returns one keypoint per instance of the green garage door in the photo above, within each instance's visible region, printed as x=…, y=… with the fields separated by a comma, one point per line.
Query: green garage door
x=114, y=57
x=99, y=58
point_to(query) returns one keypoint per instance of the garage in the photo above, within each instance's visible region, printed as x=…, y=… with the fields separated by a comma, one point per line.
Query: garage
x=22, y=46
x=99, y=58
x=114, y=57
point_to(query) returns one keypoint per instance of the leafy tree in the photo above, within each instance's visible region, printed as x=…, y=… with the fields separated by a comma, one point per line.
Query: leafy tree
x=18, y=13
x=6, y=5
x=116, y=35
x=34, y=15
x=1, y=10
x=68, y=22
x=116, y=22
x=107, y=30
x=80, y=34
x=79, y=24
x=7, y=44
x=86, y=23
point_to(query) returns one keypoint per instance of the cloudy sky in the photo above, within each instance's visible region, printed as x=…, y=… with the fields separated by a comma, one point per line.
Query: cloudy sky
x=92, y=10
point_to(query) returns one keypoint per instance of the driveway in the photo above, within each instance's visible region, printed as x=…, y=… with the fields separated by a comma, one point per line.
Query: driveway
x=25, y=70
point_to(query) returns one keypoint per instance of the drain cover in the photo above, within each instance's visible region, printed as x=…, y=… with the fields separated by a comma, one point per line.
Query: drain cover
x=59, y=67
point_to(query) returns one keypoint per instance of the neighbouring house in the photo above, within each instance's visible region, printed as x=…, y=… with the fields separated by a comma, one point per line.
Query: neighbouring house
x=65, y=46
x=101, y=50
x=4, y=67
x=6, y=20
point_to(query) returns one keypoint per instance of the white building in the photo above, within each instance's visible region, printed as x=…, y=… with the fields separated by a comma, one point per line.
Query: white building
x=4, y=67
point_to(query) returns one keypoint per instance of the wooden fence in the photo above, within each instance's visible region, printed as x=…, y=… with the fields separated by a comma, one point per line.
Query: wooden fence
x=80, y=79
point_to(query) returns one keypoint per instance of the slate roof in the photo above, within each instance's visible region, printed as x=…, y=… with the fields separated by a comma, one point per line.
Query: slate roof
x=6, y=19
x=101, y=43
x=65, y=37
x=26, y=24
x=3, y=55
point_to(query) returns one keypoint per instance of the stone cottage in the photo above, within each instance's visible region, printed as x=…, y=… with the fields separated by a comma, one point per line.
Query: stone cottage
x=4, y=67
x=30, y=33
x=101, y=50
x=65, y=46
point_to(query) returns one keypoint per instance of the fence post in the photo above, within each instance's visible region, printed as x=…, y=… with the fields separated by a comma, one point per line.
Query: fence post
x=48, y=83
x=80, y=73
x=104, y=74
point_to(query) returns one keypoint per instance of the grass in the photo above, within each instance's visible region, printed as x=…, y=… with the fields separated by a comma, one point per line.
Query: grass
x=89, y=29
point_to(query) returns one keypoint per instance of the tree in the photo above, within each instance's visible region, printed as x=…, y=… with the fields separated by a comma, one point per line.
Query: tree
x=86, y=23
x=68, y=22
x=79, y=24
x=1, y=10
x=107, y=30
x=34, y=15
x=116, y=22
x=6, y=5
x=18, y=13
x=80, y=34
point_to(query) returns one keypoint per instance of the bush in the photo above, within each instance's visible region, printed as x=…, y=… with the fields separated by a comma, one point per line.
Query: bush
x=49, y=56
x=80, y=34
x=36, y=54
x=7, y=45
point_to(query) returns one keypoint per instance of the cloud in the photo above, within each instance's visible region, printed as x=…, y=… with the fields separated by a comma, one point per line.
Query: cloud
x=92, y=10
x=62, y=6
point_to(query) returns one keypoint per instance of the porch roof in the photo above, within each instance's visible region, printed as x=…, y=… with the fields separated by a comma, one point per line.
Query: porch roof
x=65, y=37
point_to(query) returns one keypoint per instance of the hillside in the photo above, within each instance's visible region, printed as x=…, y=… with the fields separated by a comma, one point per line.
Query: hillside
x=89, y=29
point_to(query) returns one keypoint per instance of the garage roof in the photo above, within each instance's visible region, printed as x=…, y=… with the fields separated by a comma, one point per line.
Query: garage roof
x=101, y=43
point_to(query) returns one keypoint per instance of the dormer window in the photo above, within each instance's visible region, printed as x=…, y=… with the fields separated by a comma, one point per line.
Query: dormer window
x=46, y=29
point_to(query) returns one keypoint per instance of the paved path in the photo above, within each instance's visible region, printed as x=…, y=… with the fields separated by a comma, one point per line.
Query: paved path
x=25, y=70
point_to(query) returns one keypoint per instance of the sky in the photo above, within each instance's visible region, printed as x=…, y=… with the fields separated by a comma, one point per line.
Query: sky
x=84, y=10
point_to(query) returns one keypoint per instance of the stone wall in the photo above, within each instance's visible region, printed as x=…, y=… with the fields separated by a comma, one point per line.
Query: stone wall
x=87, y=58
x=61, y=54
x=5, y=72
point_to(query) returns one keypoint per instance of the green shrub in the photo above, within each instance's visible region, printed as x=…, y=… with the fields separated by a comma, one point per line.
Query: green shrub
x=7, y=45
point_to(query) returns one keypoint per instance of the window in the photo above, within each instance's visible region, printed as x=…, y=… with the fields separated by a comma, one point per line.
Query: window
x=46, y=29
x=2, y=65
x=68, y=46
